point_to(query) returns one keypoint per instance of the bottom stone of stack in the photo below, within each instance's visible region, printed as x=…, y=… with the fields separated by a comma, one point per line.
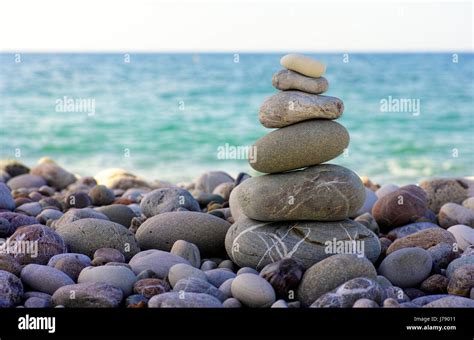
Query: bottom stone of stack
x=255, y=244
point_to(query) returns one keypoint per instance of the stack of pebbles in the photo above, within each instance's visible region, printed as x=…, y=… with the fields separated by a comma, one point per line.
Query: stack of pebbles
x=300, y=204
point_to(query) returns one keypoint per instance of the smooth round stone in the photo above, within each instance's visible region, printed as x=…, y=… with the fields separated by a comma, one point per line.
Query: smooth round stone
x=451, y=302
x=106, y=255
x=442, y=255
x=383, y=281
x=35, y=244
x=73, y=215
x=117, y=276
x=30, y=209
x=78, y=200
x=54, y=175
x=11, y=289
x=232, y=303
x=365, y=303
x=288, y=80
x=118, y=213
x=207, y=232
x=218, y=276
x=279, y=304
x=49, y=214
x=227, y=264
x=423, y=300
x=425, y=239
x=158, y=261
x=370, y=199
x=87, y=235
x=302, y=64
x=399, y=208
x=88, y=295
x=255, y=244
x=345, y=295
x=290, y=107
x=468, y=203
x=10, y=264
x=386, y=189
x=71, y=266
x=197, y=285
x=435, y=284
x=36, y=302
x=183, y=271
x=81, y=257
x=324, y=192
x=26, y=181
x=101, y=195
x=6, y=199
x=136, y=301
x=369, y=222
x=328, y=274
x=464, y=235
x=253, y=291
x=225, y=288
x=462, y=281
x=234, y=204
x=188, y=251
x=299, y=145
x=244, y=270
x=410, y=229
x=184, y=300
x=457, y=263
x=13, y=167
x=451, y=214
x=283, y=275
x=151, y=287
x=208, y=181
x=10, y=221
x=115, y=178
x=208, y=265
x=44, y=279
x=406, y=267
x=168, y=199
x=444, y=190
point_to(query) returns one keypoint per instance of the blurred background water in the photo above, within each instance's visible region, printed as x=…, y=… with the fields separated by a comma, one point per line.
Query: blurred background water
x=164, y=116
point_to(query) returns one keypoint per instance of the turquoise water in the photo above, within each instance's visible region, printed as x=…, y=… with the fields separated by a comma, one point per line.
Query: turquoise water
x=165, y=116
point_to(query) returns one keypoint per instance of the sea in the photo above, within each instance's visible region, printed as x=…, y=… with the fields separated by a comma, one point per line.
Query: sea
x=174, y=116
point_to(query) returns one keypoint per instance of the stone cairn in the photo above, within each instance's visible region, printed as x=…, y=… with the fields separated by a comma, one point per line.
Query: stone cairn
x=300, y=208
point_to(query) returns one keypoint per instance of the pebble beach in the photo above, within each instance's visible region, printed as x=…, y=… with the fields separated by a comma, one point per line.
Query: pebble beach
x=306, y=233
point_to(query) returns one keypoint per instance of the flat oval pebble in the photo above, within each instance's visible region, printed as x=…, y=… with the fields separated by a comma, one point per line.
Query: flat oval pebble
x=88, y=295
x=101, y=195
x=44, y=279
x=457, y=263
x=183, y=271
x=463, y=234
x=299, y=145
x=207, y=232
x=328, y=274
x=410, y=229
x=255, y=244
x=425, y=239
x=253, y=291
x=188, y=251
x=165, y=200
x=303, y=64
x=451, y=302
x=118, y=213
x=451, y=214
x=36, y=302
x=322, y=193
x=218, y=276
x=117, y=276
x=26, y=181
x=87, y=235
x=155, y=260
x=232, y=303
x=290, y=107
x=184, y=300
x=289, y=80
x=73, y=215
x=197, y=285
x=407, y=267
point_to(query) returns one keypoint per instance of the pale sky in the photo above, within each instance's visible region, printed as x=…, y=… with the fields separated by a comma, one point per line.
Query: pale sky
x=235, y=26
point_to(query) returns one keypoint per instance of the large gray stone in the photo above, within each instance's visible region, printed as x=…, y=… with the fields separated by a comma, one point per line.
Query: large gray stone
x=255, y=244
x=324, y=192
x=168, y=199
x=206, y=231
x=87, y=235
x=117, y=276
x=290, y=107
x=44, y=279
x=253, y=291
x=26, y=181
x=328, y=274
x=155, y=260
x=299, y=145
x=88, y=295
x=197, y=285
